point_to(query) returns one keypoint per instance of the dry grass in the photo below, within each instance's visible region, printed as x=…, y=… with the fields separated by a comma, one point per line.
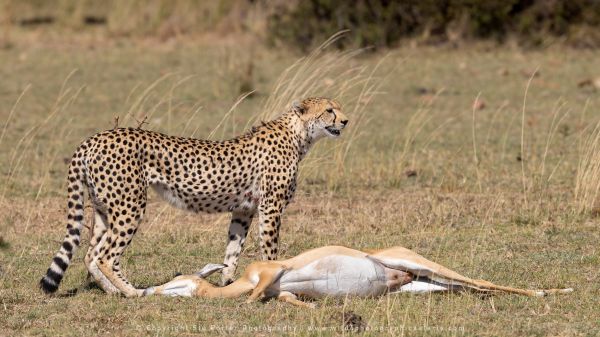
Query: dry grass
x=587, y=183
x=502, y=192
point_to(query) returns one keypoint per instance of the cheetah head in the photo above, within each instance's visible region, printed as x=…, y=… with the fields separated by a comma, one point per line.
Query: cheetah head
x=321, y=116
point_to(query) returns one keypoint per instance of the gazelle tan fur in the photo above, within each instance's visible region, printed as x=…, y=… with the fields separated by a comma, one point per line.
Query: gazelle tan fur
x=337, y=271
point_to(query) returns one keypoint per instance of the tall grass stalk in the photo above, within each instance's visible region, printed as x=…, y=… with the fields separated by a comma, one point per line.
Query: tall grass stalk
x=24, y=154
x=475, y=157
x=409, y=134
x=587, y=179
x=335, y=75
x=523, y=158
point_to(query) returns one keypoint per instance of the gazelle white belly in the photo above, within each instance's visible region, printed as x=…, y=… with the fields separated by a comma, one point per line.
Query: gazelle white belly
x=336, y=275
x=421, y=287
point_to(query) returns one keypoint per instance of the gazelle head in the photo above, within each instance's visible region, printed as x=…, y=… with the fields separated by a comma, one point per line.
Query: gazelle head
x=187, y=285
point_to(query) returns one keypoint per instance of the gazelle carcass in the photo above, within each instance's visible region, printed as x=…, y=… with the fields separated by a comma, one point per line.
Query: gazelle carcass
x=336, y=271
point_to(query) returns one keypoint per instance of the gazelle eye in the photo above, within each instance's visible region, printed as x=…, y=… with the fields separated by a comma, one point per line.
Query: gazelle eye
x=330, y=110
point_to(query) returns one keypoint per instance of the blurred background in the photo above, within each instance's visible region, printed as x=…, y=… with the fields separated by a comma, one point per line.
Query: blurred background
x=304, y=24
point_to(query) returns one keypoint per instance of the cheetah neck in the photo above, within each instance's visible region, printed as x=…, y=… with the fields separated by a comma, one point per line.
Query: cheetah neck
x=299, y=133
x=292, y=126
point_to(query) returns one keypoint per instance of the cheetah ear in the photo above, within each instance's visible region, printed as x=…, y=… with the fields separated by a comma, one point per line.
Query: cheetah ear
x=298, y=107
x=210, y=269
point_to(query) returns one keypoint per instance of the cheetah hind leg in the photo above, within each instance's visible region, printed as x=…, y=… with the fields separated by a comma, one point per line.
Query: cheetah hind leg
x=109, y=265
x=124, y=226
x=97, y=240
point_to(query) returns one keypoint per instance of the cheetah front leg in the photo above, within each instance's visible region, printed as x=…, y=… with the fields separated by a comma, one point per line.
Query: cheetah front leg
x=238, y=230
x=269, y=215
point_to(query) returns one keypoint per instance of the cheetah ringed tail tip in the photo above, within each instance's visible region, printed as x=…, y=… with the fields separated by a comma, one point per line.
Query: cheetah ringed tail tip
x=49, y=283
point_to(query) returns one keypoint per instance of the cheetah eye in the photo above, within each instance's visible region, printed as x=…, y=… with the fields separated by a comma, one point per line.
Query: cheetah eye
x=330, y=110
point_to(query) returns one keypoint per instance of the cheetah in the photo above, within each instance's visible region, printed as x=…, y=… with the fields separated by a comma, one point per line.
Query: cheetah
x=251, y=175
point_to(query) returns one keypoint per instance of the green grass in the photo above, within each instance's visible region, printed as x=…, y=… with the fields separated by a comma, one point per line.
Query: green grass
x=469, y=203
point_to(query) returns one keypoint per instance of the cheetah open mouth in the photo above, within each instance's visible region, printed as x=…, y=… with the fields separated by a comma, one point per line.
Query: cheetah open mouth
x=333, y=131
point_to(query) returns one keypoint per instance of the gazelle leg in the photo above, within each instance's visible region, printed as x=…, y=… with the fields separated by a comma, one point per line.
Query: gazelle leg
x=288, y=297
x=267, y=276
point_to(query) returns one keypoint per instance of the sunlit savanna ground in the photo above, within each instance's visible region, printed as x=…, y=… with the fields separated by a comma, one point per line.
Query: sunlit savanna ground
x=419, y=167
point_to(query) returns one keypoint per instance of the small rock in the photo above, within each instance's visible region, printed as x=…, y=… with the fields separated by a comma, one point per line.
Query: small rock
x=595, y=212
x=423, y=91
x=3, y=244
x=410, y=173
x=585, y=83
x=351, y=321
x=589, y=82
x=564, y=130
x=478, y=104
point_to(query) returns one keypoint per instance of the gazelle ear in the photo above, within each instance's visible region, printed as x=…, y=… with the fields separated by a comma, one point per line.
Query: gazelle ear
x=210, y=269
x=298, y=107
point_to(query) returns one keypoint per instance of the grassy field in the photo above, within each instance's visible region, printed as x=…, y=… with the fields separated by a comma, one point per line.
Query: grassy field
x=482, y=159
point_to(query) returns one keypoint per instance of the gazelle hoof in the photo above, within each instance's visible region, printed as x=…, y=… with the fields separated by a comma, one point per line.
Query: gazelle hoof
x=148, y=291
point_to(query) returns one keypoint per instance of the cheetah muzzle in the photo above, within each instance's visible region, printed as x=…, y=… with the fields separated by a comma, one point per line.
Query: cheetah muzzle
x=333, y=131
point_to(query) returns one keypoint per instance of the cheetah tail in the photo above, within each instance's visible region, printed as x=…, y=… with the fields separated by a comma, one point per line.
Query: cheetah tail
x=49, y=283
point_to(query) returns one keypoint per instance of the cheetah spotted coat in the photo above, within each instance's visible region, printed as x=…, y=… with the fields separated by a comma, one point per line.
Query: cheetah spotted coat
x=254, y=174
